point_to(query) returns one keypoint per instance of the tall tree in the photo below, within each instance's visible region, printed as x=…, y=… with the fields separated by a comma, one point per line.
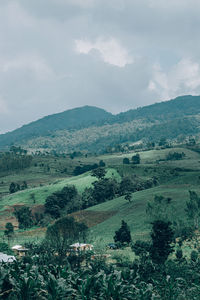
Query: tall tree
x=64, y=232
x=24, y=217
x=162, y=236
x=9, y=231
x=193, y=208
x=123, y=235
x=160, y=208
x=136, y=159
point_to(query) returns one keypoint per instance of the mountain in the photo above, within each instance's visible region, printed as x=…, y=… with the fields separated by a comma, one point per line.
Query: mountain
x=168, y=110
x=93, y=129
x=75, y=119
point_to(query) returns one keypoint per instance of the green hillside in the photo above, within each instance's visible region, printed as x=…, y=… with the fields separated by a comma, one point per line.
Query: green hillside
x=73, y=119
x=175, y=179
x=91, y=129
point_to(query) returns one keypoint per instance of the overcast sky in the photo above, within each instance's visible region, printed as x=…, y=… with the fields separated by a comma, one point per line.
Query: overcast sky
x=116, y=54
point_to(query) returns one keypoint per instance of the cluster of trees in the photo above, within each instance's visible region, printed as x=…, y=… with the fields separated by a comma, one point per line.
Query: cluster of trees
x=64, y=201
x=10, y=161
x=135, y=159
x=175, y=156
x=24, y=217
x=15, y=187
x=103, y=189
x=82, y=169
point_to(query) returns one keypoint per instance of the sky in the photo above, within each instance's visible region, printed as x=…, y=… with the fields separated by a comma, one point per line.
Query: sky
x=118, y=54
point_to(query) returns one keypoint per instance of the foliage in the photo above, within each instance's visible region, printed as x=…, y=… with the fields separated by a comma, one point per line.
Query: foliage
x=160, y=208
x=128, y=197
x=102, y=163
x=40, y=279
x=141, y=248
x=136, y=159
x=175, y=156
x=10, y=161
x=99, y=173
x=193, y=208
x=64, y=232
x=103, y=190
x=162, y=236
x=14, y=187
x=194, y=255
x=9, y=230
x=24, y=217
x=80, y=170
x=4, y=248
x=123, y=235
x=59, y=200
x=126, y=161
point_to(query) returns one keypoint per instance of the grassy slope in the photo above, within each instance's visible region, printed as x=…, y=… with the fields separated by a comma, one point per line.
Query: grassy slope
x=80, y=182
x=175, y=187
x=134, y=213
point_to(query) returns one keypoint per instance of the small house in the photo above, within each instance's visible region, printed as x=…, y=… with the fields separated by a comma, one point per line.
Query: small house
x=19, y=250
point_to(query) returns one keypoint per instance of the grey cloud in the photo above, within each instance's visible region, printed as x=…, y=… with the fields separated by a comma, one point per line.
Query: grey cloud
x=41, y=72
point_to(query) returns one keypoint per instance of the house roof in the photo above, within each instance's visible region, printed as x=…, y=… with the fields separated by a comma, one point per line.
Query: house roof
x=6, y=258
x=19, y=248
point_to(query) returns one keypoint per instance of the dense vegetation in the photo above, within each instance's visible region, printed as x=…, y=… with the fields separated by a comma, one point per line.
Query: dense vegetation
x=73, y=130
x=142, y=201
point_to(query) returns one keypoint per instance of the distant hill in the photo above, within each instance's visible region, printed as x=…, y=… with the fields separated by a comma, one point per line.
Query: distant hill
x=167, y=110
x=75, y=119
x=93, y=129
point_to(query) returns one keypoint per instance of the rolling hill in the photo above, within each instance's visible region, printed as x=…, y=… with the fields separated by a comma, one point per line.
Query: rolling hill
x=93, y=129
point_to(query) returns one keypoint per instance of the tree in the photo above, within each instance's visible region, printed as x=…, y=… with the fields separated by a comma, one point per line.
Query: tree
x=126, y=185
x=24, y=185
x=162, y=236
x=99, y=173
x=14, y=187
x=104, y=189
x=193, y=208
x=102, y=163
x=64, y=199
x=123, y=235
x=126, y=161
x=141, y=248
x=128, y=197
x=9, y=231
x=159, y=208
x=24, y=217
x=64, y=232
x=136, y=159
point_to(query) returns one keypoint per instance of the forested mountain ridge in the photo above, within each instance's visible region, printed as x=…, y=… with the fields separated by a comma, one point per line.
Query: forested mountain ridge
x=77, y=118
x=167, y=110
x=93, y=129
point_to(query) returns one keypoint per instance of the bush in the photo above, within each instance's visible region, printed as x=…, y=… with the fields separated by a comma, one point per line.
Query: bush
x=194, y=256
x=136, y=159
x=123, y=235
x=126, y=161
x=179, y=254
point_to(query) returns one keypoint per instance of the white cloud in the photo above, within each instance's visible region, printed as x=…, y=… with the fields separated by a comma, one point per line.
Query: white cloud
x=182, y=78
x=110, y=50
x=30, y=63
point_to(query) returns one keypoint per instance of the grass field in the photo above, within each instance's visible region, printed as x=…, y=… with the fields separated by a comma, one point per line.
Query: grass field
x=175, y=178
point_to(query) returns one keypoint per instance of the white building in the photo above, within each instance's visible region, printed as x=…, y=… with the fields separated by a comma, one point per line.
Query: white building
x=6, y=258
